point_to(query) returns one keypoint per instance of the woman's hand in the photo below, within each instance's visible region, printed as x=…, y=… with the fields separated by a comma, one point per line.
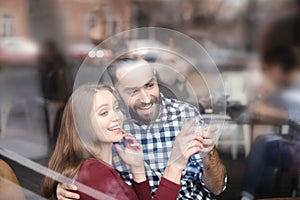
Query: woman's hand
x=132, y=155
x=207, y=138
x=133, y=152
x=186, y=144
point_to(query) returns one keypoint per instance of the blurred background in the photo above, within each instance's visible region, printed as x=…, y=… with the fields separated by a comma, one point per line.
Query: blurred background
x=43, y=43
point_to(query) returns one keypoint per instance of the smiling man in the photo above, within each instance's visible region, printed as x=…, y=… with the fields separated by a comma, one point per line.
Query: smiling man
x=155, y=121
x=137, y=86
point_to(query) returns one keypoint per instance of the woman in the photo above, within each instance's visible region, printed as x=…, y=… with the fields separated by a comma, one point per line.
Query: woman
x=91, y=124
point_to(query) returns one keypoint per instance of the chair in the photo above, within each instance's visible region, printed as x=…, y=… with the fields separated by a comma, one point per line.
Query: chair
x=234, y=130
x=235, y=141
x=4, y=113
x=9, y=184
x=296, y=185
x=235, y=87
x=295, y=179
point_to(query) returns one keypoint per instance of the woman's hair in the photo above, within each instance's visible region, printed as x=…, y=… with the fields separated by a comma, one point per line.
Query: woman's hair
x=77, y=137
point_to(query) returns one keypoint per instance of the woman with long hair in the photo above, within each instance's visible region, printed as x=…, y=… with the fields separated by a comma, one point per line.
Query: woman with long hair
x=91, y=125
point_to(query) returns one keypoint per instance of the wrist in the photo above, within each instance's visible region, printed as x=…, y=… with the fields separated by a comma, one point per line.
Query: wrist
x=173, y=173
x=178, y=163
x=138, y=173
x=137, y=169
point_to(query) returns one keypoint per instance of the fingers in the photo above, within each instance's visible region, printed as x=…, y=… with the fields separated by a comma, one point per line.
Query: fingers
x=192, y=150
x=188, y=127
x=205, y=144
x=135, y=149
x=119, y=149
x=204, y=141
x=132, y=143
x=185, y=138
x=64, y=195
x=62, y=192
x=135, y=145
x=207, y=133
x=67, y=186
x=208, y=142
x=197, y=142
x=129, y=139
x=126, y=134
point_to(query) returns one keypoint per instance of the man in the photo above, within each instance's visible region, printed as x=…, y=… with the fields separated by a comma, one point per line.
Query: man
x=281, y=71
x=155, y=121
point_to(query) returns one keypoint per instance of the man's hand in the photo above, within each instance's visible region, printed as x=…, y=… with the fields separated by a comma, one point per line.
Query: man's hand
x=65, y=192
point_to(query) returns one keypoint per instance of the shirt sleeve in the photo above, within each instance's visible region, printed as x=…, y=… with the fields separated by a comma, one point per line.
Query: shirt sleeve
x=166, y=190
x=192, y=180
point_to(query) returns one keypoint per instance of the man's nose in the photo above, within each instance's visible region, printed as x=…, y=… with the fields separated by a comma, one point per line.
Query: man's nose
x=145, y=97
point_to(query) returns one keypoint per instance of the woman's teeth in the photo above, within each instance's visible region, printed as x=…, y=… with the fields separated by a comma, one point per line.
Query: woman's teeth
x=114, y=128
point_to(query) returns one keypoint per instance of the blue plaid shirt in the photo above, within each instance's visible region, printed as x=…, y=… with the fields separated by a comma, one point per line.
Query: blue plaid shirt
x=157, y=141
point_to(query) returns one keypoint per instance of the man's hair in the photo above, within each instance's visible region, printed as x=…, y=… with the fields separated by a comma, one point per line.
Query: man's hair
x=284, y=57
x=120, y=62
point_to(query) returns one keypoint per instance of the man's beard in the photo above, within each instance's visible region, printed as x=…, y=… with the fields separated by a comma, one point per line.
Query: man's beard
x=156, y=103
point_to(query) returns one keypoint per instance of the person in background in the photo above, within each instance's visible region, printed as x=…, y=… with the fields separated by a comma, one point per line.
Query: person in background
x=280, y=68
x=55, y=84
x=155, y=121
x=84, y=149
x=54, y=73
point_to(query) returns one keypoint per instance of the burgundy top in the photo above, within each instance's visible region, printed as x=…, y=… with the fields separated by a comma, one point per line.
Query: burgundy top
x=104, y=178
